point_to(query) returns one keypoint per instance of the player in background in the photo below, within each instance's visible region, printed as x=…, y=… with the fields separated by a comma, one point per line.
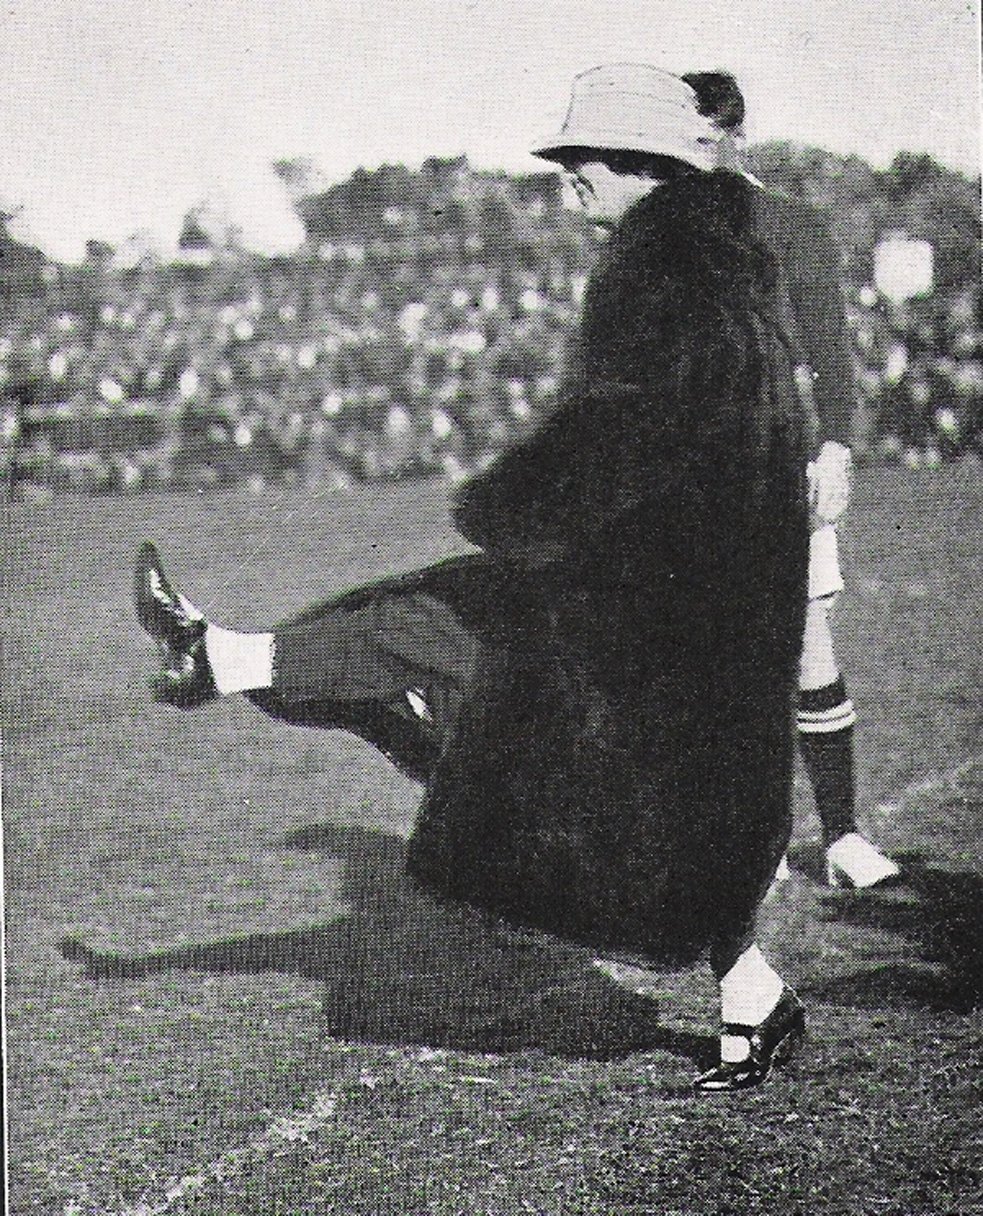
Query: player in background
x=800, y=237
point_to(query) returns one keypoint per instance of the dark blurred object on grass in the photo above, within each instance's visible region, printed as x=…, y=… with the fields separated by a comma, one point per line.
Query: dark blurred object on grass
x=399, y=968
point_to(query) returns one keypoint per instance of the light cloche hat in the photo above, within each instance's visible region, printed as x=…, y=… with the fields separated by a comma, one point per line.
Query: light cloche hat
x=633, y=107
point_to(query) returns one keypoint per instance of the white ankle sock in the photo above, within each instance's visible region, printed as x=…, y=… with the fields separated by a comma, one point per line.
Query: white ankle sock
x=750, y=990
x=239, y=661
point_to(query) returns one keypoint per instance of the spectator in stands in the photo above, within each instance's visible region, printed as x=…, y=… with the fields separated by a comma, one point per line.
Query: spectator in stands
x=610, y=681
x=316, y=344
x=801, y=240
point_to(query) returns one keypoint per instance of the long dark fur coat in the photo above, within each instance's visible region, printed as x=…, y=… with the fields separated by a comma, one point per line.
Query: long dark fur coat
x=620, y=772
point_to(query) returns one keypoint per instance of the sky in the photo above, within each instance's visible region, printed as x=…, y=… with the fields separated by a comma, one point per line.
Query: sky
x=120, y=115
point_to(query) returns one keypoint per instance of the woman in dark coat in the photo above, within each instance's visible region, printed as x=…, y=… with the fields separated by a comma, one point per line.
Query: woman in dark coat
x=644, y=696
x=614, y=763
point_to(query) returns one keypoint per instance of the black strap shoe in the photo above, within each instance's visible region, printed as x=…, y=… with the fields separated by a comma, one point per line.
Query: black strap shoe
x=186, y=679
x=771, y=1042
x=165, y=615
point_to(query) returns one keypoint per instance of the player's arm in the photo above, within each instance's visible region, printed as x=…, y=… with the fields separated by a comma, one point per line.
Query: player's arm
x=817, y=299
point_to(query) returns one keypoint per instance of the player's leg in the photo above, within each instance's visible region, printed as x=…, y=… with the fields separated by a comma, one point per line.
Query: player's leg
x=826, y=719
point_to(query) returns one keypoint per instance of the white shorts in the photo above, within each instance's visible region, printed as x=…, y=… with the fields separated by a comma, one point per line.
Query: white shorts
x=824, y=563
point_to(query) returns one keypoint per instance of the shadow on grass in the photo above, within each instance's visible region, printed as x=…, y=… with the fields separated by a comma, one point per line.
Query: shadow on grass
x=402, y=968
x=938, y=913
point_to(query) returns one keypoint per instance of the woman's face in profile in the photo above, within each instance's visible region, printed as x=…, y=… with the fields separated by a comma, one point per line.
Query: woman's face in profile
x=605, y=195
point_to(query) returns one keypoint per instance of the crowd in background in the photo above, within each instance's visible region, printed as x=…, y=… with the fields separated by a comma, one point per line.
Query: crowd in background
x=419, y=330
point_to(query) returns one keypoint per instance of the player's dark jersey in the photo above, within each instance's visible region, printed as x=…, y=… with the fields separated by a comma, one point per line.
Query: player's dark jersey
x=800, y=237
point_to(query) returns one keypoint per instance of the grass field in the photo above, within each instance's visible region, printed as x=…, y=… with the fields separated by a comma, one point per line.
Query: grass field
x=286, y=1026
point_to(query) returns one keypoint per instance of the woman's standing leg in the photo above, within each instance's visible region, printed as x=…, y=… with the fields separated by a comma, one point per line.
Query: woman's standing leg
x=761, y=1017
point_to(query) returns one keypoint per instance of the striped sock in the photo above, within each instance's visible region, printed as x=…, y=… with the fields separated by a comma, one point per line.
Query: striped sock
x=825, y=720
